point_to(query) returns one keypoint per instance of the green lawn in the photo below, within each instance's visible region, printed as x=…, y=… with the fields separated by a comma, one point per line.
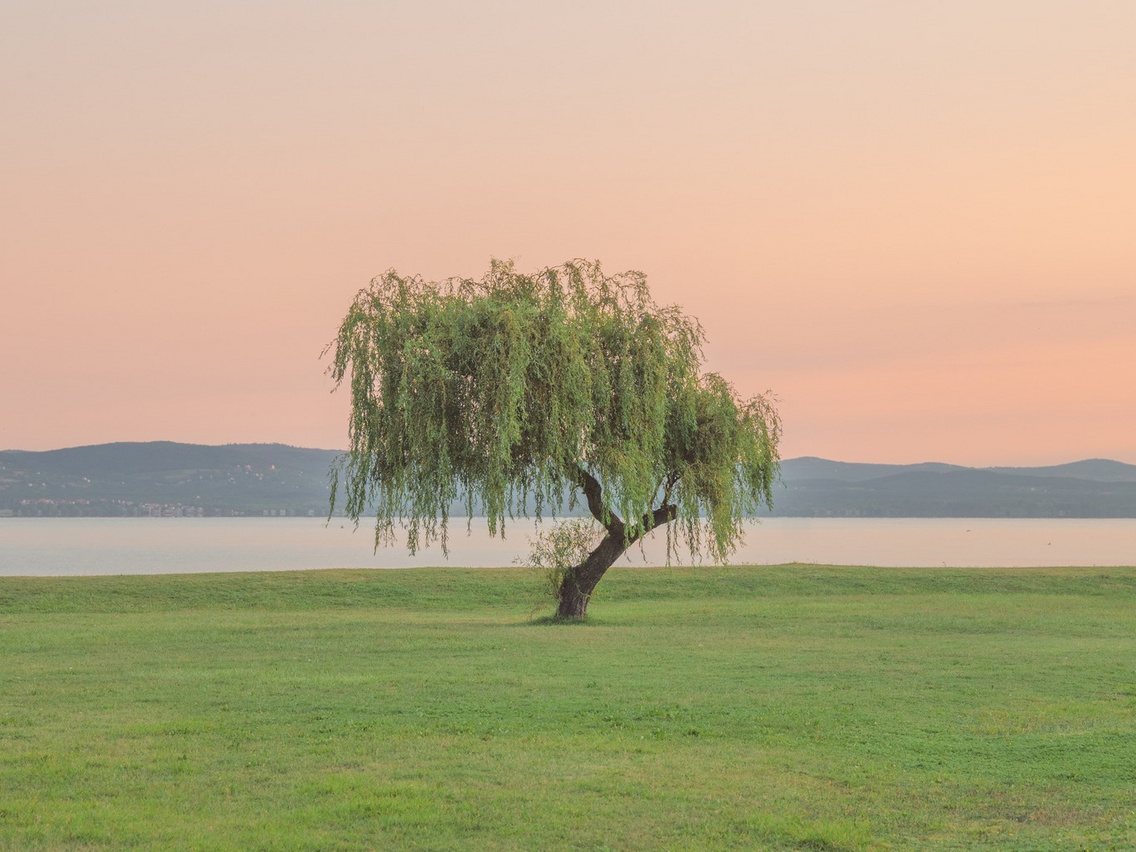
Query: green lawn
x=790, y=707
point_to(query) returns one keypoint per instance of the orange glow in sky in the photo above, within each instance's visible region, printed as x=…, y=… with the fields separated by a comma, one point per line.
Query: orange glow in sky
x=913, y=222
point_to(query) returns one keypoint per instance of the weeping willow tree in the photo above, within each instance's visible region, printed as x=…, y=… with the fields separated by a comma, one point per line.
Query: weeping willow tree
x=542, y=391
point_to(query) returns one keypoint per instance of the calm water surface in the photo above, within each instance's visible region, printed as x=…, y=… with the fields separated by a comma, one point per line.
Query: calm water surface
x=86, y=546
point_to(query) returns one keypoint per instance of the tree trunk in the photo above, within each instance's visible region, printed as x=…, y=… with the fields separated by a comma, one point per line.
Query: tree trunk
x=580, y=581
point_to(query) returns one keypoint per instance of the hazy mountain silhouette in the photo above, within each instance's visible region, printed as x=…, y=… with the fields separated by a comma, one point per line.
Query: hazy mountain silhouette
x=1094, y=488
x=162, y=477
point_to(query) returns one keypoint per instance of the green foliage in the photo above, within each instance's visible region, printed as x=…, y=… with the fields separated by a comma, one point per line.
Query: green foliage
x=555, y=549
x=519, y=387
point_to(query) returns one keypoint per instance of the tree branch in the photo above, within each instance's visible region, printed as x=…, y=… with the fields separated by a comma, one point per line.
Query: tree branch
x=662, y=515
x=593, y=493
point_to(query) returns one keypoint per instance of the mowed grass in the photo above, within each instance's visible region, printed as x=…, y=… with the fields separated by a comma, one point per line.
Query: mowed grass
x=789, y=707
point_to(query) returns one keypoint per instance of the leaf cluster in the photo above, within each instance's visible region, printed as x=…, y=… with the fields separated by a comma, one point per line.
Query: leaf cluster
x=523, y=388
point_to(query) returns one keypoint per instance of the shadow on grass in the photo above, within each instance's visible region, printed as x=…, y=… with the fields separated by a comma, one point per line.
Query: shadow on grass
x=553, y=620
x=556, y=620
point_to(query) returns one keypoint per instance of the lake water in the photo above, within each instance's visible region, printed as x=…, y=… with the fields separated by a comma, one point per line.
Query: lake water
x=90, y=546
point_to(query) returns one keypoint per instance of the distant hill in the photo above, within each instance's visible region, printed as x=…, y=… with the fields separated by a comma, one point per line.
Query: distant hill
x=810, y=468
x=1097, y=470
x=164, y=478
x=1095, y=488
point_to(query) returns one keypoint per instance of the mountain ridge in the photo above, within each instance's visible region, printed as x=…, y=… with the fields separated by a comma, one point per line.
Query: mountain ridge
x=166, y=477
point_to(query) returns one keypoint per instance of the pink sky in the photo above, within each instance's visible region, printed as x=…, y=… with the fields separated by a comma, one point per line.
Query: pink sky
x=913, y=222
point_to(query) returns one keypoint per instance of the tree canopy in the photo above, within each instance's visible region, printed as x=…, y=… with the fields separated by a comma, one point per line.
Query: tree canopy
x=543, y=389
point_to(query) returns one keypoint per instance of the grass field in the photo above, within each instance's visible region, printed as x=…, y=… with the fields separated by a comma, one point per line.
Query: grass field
x=790, y=707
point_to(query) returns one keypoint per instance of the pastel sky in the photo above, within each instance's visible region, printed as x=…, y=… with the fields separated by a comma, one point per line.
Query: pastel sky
x=915, y=222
